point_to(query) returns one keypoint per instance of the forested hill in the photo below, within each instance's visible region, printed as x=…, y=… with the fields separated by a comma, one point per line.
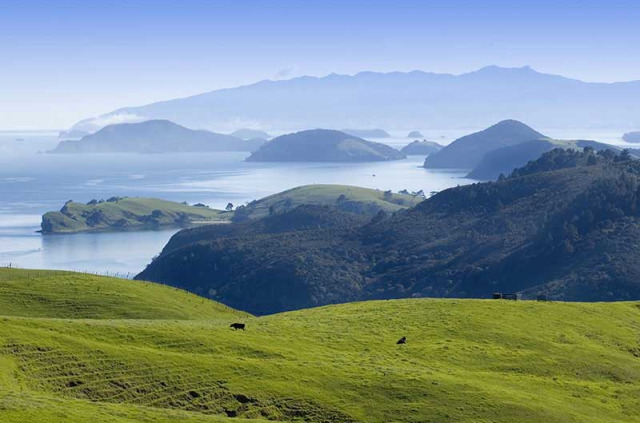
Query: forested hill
x=564, y=225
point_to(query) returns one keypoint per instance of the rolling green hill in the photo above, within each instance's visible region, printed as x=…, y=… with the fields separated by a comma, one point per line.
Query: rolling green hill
x=346, y=198
x=127, y=213
x=72, y=295
x=465, y=360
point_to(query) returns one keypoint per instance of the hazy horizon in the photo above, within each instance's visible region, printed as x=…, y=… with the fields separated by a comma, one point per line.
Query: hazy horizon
x=66, y=62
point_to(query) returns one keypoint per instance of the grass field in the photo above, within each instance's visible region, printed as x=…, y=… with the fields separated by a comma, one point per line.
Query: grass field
x=73, y=349
x=126, y=213
x=354, y=199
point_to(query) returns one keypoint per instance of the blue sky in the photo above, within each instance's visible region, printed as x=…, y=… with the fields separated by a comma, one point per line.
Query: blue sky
x=62, y=61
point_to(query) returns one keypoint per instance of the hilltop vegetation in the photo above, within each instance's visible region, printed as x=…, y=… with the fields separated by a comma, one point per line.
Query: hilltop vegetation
x=465, y=361
x=562, y=225
x=155, y=136
x=122, y=213
x=343, y=197
x=323, y=145
x=504, y=160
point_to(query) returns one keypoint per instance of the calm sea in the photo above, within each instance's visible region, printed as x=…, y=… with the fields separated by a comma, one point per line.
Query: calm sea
x=32, y=183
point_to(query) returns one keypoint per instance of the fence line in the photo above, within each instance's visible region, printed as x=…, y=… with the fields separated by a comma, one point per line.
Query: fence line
x=119, y=275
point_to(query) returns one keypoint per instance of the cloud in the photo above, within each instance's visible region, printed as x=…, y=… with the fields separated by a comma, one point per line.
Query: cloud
x=94, y=124
x=285, y=72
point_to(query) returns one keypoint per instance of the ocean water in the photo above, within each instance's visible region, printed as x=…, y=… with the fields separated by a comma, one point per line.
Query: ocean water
x=32, y=183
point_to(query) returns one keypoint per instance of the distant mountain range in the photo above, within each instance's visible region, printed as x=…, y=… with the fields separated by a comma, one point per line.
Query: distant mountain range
x=155, y=136
x=399, y=101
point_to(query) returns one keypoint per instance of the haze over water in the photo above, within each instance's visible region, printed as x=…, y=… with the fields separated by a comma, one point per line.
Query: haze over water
x=32, y=184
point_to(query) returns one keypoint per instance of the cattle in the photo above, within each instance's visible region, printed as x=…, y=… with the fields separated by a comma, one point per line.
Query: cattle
x=237, y=326
x=501, y=296
x=402, y=340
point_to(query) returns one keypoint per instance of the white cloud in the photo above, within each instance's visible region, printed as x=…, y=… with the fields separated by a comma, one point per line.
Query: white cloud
x=94, y=124
x=286, y=72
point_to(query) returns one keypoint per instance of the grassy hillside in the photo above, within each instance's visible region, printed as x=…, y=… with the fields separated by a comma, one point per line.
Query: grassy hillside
x=71, y=295
x=465, y=361
x=126, y=213
x=346, y=198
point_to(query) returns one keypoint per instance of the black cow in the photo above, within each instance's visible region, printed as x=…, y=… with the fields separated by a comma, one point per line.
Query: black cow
x=237, y=326
x=402, y=340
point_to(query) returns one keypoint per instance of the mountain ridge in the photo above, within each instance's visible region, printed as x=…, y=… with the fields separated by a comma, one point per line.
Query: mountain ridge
x=398, y=100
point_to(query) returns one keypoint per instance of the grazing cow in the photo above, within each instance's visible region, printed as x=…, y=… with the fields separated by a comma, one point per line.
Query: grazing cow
x=402, y=340
x=237, y=326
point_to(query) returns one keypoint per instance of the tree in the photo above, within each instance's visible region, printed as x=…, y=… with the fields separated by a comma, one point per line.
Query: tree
x=625, y=155
x=229, y=207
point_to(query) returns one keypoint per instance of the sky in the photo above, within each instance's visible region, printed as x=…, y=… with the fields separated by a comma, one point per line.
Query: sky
x=62, y=61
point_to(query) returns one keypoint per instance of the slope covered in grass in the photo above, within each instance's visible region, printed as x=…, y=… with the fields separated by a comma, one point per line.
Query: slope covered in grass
x=346, y=198
x=126, y=213
x=70, y=295
x=465, y=361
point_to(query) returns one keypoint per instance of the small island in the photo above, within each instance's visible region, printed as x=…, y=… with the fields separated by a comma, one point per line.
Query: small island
x=633, y=137
x=415, y=134
x=323, y=145
x=367, y=133
x=421, y=148
x=250, y=134
x=154, y=136
x=128, y=213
